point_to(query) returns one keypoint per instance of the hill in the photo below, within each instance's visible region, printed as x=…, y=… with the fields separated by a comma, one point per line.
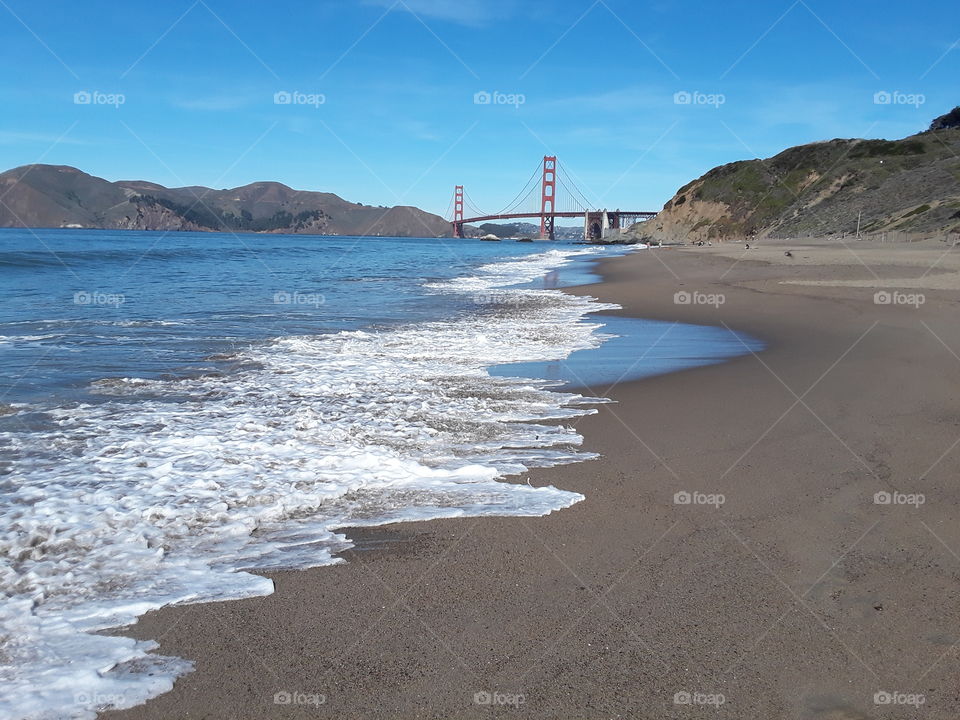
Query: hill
x=61, y=196
x=530, y=230
x=910, y=185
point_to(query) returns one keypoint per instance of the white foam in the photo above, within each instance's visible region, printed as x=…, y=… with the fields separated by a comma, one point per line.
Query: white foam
x=131, y=506
x=27, y=338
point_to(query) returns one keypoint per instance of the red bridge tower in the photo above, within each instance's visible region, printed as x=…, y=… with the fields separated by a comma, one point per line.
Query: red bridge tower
x=458, y=211
x=548, y=194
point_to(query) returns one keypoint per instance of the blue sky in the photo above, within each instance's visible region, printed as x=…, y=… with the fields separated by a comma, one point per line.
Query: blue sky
x=398, y=123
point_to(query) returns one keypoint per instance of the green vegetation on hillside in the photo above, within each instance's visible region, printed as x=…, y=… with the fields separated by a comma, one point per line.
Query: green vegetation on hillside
x=206, y=217
x=945, y=122
x=911, y=184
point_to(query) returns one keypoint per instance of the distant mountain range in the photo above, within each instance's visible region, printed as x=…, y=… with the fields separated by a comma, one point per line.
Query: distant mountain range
x=54, y=196
x=825, y=188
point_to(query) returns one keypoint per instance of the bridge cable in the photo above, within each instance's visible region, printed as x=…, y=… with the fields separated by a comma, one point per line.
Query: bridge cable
x=522, y=195
x=576, y=204
x=586, y=203
x=583, y=197
x=469, y=204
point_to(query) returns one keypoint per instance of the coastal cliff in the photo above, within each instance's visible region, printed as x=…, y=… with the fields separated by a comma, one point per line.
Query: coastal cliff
x=825, y=188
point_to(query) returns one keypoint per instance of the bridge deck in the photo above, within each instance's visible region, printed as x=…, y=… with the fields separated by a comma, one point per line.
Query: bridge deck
x=570, y=214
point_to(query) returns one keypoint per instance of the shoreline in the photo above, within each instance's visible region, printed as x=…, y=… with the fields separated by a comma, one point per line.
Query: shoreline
x=612, y=607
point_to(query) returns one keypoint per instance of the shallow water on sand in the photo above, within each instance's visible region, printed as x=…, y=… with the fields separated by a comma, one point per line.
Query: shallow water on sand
x=636, y=348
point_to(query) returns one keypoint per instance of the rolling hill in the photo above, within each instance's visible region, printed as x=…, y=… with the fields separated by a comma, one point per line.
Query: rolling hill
x=44, y=196
x=910, y=185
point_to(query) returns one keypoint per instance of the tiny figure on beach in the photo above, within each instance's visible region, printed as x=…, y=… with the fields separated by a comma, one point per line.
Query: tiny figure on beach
x=788, y=253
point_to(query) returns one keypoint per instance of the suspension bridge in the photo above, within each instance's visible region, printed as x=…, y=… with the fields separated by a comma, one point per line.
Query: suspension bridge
x=548, y=194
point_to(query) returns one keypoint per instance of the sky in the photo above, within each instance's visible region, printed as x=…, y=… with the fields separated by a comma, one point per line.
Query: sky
x=383, y=101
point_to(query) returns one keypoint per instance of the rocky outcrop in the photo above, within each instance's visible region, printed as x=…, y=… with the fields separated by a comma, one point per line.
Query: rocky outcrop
x=154, y=217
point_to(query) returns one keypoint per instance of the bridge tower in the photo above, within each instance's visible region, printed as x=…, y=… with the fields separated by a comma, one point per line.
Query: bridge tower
x=458, y=211
x=548, y=193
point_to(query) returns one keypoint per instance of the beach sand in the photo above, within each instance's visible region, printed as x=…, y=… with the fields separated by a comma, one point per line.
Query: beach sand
x=798, y=597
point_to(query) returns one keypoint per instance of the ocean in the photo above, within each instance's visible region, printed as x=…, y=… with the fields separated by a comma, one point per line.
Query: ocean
x=177, y=408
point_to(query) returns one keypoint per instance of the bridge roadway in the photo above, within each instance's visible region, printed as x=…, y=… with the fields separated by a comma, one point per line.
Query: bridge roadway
x=646, y=215
x=595, y=222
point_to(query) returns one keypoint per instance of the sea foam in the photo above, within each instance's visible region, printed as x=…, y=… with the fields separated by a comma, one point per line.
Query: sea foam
x=169, y=490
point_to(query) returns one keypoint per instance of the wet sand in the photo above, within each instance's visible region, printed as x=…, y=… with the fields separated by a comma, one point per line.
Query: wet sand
x=799, y=597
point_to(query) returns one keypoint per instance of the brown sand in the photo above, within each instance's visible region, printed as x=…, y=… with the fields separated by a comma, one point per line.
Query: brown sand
x=798, y=598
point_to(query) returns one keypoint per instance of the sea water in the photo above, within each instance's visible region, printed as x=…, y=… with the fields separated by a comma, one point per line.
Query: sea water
x=178, y=408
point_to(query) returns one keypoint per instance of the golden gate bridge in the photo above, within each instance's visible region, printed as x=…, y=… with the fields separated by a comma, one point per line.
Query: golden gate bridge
x=547, y=204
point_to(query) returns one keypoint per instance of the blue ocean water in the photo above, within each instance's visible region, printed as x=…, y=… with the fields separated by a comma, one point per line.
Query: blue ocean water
x=178, y=408
x=80, y=305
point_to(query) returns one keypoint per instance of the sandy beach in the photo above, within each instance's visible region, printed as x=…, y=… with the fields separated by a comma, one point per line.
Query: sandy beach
x=732, y=556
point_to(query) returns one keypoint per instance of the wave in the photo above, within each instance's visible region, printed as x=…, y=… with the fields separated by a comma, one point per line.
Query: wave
x=128, y=507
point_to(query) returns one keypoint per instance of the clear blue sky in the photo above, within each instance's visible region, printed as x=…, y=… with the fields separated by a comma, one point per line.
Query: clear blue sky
x=399, y=123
